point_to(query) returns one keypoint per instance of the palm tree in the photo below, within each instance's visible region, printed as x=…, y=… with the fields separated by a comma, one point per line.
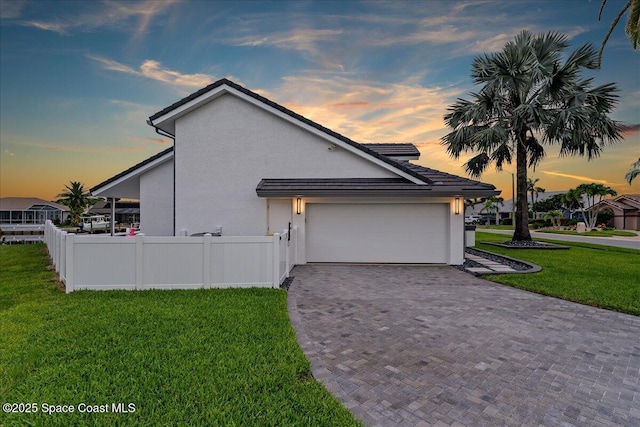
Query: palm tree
x=633, y=24
x=531, y=188
x=75, y=197
x=633, y=172
x=595, y=194
x=572, y=201
x=533, y=94
x=554, y=216
x=493, y=203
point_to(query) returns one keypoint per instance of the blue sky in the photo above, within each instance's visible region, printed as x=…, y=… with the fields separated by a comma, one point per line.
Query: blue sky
x=79, y=79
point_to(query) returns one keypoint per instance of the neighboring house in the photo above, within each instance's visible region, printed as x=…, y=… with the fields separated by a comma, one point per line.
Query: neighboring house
x=243, y=165
x=30, y=210
x=625, y=209
x=126, y=212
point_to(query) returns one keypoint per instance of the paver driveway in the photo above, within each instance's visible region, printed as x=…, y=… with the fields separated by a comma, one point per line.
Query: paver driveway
x=436, y=346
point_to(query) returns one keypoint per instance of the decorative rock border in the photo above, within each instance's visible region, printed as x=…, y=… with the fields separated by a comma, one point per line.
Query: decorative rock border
x=517, y=266
x=537, y=245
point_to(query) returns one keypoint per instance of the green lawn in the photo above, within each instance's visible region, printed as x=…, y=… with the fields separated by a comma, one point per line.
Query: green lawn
x=593, y=233
x=596, y=275
x=183, y=358
x=496, y=227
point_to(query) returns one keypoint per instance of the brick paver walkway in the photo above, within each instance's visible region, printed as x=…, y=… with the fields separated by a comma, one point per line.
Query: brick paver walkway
x=420, y=346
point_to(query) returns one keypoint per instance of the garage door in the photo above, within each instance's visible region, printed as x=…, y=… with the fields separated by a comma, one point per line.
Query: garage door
x=397, y=233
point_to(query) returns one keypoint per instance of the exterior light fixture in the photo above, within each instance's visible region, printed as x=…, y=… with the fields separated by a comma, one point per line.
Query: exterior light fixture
x=298, y=206
x=456, y=206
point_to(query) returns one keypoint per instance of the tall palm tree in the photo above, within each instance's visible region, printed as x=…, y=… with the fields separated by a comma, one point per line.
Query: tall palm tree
x=76, y=198
x=633, y=172
x=533, y=95
x=633, y=24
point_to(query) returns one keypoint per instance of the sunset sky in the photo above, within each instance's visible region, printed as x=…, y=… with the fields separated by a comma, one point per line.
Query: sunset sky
x=79, y=79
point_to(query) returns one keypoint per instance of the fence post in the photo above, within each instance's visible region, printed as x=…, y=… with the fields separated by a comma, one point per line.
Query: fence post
x=276, y=260
x=139, y=259
x=286, y=254
x=69, y=255
x=206, y=260
x=61, y=255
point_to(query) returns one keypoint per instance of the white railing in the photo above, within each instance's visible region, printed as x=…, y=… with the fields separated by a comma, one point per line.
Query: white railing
x=146, y=262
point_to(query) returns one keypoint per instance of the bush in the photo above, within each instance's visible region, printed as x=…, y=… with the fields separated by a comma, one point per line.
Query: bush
x=507, y=221
x=573, y=222
x=539, y=223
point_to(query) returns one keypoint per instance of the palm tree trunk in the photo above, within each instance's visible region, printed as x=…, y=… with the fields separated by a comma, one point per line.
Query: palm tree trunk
x=521, y=231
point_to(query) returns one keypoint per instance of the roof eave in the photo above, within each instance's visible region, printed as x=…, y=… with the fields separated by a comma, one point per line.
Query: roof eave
x=418, y=192
x=132, y=172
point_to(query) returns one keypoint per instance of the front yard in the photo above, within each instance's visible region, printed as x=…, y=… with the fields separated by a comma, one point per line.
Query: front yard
x=199, y=357
x=601, y=276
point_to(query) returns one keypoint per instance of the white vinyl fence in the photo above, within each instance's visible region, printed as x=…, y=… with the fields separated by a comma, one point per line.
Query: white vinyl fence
x=146, y=262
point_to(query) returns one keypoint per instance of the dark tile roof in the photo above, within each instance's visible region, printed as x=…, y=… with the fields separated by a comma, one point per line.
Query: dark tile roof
x=394, y=149
x=295, y=115
x=131, y=169
x=447, y=179
x=393, y=187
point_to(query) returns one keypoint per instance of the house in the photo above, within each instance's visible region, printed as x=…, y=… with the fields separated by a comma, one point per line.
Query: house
x=242, y=165
x=625, y=209
x=31, y=210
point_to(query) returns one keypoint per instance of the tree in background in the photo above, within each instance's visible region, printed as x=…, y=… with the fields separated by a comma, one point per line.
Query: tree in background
x=492, y=204
x=633, y=172
x=551, y=204
x=572, y=201
x=533, y=94
x=595, y=193
x=534, y=191
x=633, y=25
x=77, y=199
x=555, y=217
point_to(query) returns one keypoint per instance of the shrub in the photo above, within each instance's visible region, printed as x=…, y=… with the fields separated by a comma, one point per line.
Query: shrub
x=507, y=221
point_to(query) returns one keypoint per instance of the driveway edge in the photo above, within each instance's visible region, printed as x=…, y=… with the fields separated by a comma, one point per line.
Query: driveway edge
x=318, y=368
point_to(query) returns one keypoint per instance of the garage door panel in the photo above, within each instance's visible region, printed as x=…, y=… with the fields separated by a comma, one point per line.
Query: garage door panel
x=402, y=233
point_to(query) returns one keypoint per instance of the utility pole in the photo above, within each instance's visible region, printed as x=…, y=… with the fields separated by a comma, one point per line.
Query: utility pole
x=513, y=200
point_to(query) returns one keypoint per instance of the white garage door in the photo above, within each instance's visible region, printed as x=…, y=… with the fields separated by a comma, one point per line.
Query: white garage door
x=397, y=233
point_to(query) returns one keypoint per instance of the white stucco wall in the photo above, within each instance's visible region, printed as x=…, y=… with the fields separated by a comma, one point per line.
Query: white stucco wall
x=156, y=201
x=226, y=147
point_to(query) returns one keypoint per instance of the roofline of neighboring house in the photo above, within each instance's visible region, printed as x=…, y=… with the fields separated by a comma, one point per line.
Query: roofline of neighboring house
x=33, y=201
x=163, y=120
x=137, y=169
x=612, y=203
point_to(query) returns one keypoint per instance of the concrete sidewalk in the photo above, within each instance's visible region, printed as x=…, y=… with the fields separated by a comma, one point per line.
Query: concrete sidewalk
x=435, y=346
x=617, y=241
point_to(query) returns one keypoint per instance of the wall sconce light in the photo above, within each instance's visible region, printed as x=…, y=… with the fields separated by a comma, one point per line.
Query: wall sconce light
x=456, y=206
x=298, y=205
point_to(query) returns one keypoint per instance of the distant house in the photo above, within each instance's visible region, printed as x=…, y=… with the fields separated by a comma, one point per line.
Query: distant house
x=625, y=209
x=126, y=212
x=506, y=209
x=30, y=210
x=243, y=165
